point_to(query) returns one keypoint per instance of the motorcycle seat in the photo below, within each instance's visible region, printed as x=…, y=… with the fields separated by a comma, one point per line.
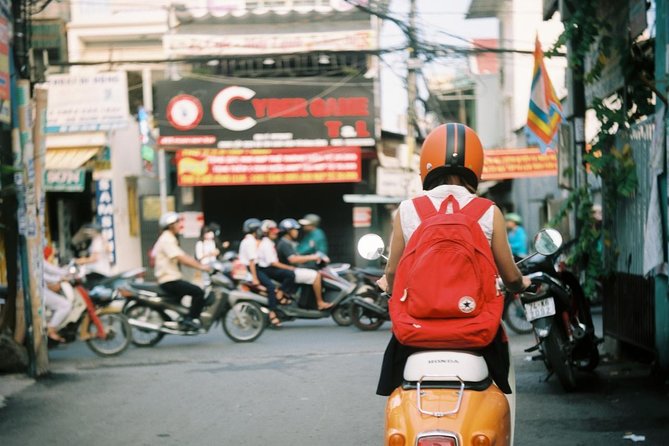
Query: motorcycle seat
x=446, y=365
x=373, y=272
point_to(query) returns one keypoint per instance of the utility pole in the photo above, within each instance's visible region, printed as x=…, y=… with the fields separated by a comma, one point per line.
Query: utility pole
x=412, y=65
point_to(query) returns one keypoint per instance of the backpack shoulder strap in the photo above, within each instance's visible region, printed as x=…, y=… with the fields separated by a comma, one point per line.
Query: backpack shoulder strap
x=477, y=207
x=424, y=207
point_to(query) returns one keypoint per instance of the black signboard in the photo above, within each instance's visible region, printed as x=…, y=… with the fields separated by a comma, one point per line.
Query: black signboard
x=266, y=113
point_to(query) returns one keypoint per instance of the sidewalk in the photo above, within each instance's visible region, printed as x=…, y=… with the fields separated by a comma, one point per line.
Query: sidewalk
x=12, y=384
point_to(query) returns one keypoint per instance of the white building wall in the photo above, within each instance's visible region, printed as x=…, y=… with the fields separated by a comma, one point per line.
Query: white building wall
x=520, y=21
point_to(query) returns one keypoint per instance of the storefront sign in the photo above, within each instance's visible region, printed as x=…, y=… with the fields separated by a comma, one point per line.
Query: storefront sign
x=266, y=113
x=202, y=167
x=73, y=180
x=504, y=164
x=362, y=217
x=212, y=45
x=80, y=103
x=191, y=223
x=397, y=182
x=104, y=205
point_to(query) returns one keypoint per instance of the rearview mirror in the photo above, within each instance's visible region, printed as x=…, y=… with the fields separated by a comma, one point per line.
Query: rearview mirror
x=547, y=241
x=370, y=246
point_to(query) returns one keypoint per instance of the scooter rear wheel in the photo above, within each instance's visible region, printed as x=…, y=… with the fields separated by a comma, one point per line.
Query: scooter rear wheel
x=364, y=319
x=244, y=322
x=142, y=337
x=118, y=335
x=342, y=315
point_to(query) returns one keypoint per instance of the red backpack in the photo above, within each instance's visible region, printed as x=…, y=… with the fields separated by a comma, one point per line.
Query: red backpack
x=445, y=294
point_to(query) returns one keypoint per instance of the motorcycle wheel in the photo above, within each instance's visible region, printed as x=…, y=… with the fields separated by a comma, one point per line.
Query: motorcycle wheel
x=364, y=319
x=119, y=335
x=141, y=337
x=591, y=362
x=514, y=316
x=560, y=362
x=244, y=322
x=342, y=315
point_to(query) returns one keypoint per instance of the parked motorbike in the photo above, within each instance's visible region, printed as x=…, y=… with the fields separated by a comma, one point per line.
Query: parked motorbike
x=447, y=397
x=93, y=317
x=514, y=314
x=369, y=304
x=559, y=312
x=153, y=313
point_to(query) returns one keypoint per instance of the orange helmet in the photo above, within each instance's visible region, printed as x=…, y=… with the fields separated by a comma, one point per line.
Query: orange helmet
x=452, y=148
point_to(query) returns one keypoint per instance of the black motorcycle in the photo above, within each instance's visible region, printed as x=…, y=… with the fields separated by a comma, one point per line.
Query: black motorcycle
x=153, y=313
x=559, y=312
x=369, y=304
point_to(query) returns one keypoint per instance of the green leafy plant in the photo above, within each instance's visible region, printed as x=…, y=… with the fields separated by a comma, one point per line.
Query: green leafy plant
x=594, y=253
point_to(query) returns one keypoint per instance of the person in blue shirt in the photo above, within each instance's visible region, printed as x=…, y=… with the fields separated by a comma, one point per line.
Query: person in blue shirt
x=516, y=233
x=314, y=240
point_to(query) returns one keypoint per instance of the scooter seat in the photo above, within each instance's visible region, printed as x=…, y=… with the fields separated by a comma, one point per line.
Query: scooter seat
x=445, y=365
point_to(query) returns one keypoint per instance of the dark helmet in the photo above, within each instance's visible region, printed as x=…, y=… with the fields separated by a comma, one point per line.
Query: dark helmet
x=288, y=223
x=251, y=225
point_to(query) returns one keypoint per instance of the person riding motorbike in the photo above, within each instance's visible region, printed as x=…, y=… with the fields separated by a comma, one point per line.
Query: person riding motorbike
x=248, y=255
x=96, y=263
x=168, y=257
x=451, y=163
x=53, y=300
x=288, y=256
x=313, y=239
x=268, y=263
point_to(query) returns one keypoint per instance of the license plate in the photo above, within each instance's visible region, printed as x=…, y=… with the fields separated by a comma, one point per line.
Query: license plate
x=539, y=309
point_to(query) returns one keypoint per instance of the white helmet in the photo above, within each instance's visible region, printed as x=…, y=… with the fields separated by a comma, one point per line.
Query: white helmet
x=167, y=219
x=267, y=225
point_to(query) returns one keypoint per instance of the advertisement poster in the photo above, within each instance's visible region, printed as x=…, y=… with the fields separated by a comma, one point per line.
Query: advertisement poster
x=504, y=164
x=202, y=167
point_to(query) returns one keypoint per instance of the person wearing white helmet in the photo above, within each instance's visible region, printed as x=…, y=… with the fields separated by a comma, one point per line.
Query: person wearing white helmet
x=168, y=258
x=248, y=255
x=268, y=263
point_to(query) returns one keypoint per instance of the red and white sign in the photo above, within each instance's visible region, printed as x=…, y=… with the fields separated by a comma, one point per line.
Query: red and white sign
x=503, y=164
x=184, y=112
x=190, y=224
x=212, y=167
x=362, y=217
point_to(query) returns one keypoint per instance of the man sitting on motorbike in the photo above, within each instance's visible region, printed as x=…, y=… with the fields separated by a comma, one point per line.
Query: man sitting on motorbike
x=287, y=253
x=268, y=263
x=451, y=166
x=168, y=257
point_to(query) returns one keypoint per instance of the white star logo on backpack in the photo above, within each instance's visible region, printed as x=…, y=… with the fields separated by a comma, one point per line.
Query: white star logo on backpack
x=466, y=304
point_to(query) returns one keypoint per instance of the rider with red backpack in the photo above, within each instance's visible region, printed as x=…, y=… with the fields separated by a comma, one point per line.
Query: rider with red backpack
x=447, y=248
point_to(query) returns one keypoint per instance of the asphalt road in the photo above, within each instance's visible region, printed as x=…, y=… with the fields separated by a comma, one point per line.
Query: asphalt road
x=311, y=383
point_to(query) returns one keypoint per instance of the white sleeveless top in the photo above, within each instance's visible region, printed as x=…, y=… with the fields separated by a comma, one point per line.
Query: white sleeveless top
x=410, y=220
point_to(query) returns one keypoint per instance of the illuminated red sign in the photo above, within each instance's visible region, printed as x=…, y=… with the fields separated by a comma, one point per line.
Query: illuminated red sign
x=210, y=167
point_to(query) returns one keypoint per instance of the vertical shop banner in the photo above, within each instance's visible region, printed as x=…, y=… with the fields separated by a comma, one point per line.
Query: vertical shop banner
x=104, y=204
x=211, y=167
x=5, y=35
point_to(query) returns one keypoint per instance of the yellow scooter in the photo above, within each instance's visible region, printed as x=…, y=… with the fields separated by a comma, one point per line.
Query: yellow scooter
x=447, y=397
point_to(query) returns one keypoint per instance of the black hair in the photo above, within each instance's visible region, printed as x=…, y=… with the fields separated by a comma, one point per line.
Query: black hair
x=451, y=175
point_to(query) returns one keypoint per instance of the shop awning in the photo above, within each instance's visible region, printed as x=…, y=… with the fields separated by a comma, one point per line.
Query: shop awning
x=69, y=159
x=67, y=151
